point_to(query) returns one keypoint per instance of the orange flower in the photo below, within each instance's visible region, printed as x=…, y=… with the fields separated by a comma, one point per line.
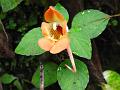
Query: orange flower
x=55, y=37
x=55, y=33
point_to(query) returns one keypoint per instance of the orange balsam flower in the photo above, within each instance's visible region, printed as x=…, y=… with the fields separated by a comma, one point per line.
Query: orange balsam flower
x=55, y=34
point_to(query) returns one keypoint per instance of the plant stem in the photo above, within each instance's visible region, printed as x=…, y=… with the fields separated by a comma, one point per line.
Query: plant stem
x=41, y=77
x=116, y=15
x=73, y=69
x=4, y=30
x=1, y=88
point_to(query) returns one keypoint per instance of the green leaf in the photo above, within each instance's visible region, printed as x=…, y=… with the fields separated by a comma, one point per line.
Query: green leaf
x=92, y=22
x=50, y=75
x=29, y=43
x=73, y=81
x=114, y=22
x=9, y=4
x=18, y=85
x=2, y=15
x=107, y=87
x=11, y=24
x=112, y=78
x=62, y=10
x=7, y=78
x=80, y=44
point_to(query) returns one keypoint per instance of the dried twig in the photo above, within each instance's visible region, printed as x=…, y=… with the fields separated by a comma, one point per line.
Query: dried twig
x=41, y=76
x=1, y=88
x=4, y=30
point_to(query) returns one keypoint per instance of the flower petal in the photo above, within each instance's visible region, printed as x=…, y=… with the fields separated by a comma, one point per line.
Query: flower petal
x=52, y=15
x=60, y=45
x=46, y=27
x=64, y=26
x=46, y=43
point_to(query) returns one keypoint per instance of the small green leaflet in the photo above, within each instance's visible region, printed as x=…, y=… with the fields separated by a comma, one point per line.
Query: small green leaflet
x=113, y=79
x=9, y=4
x=29, y=43
x=18, y=85
x=92, y=22
x=73, y=81
x=7, y=78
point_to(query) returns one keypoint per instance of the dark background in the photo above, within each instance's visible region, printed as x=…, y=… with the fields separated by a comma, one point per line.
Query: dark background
x=29, y=14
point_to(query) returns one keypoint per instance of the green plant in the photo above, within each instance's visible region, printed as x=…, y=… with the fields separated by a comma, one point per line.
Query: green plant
x=113, y=80
x=86, y=25
x=91, y=24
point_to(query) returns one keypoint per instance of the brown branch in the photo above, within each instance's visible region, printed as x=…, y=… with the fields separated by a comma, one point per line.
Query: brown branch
x=3, y=28
x=94, y=67
x=5, y=50
x=41, y=77
x=1, y=88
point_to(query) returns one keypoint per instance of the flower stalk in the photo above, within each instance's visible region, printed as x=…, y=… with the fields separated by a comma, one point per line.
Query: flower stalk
x=73, y=69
